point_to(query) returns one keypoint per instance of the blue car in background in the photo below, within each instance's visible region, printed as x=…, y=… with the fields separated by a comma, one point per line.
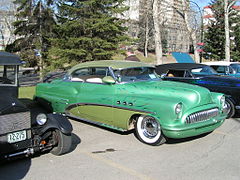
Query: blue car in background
x=225, y=68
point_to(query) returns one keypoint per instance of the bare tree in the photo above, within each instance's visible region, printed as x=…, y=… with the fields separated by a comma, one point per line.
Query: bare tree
x=192, y=25
x=146, y=15
x=158, y=12
x=227, y=5
x=146, y=27
x=7, y=17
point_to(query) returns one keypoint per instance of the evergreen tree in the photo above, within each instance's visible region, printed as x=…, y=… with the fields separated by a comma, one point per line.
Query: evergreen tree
x=34, y=27
x=87, y=30
x=214, y=36
x=236, y=34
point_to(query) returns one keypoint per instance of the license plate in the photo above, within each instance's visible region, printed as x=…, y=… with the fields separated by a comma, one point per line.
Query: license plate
x=17, y=136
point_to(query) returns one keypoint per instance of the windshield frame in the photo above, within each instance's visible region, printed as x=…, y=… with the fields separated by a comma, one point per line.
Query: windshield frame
x=15, y=71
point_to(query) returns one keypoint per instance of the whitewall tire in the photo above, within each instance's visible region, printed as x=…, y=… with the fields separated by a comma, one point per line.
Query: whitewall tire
x=148, y=130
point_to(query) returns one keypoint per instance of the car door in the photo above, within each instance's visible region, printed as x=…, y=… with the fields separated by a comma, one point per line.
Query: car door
x=95, y=99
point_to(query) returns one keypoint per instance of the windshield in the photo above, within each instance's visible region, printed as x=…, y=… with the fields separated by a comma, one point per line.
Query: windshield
x=206, y=70
x=136, y=74
x=236, y=67
x=8, y=75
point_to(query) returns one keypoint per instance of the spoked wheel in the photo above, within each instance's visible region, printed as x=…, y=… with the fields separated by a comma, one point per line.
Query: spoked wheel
x=230, y=108
x=63, y=143
x=148, y=130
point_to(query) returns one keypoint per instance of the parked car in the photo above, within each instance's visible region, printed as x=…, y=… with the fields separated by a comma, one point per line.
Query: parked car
x=225, y=68
x=203, y=75
x=126, y=95
x=26, y=127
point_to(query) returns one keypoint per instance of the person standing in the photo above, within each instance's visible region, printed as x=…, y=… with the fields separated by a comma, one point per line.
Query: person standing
x=131, y=56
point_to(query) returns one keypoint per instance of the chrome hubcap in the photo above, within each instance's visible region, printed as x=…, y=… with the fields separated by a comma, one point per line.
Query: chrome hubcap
x=150, y=127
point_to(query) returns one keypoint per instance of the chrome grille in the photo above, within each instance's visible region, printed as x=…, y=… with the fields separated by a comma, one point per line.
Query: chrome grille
x=202, y=116
x=14, y=122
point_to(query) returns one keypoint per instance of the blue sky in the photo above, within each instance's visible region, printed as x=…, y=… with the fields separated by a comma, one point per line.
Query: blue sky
x=202, y=3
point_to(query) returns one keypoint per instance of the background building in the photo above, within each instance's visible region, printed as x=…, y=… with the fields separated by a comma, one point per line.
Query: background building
x=175, y=36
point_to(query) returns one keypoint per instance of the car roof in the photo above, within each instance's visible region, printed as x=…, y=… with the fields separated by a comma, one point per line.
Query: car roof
x=219, y=63
x=9, y=59
x=163, y=68
x=114, y=64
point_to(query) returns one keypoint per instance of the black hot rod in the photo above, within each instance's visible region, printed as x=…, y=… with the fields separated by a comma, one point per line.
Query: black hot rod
x=27, y=128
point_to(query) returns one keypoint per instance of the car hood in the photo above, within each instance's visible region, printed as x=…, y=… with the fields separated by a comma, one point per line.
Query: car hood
x=10, y=105
x=188, y=94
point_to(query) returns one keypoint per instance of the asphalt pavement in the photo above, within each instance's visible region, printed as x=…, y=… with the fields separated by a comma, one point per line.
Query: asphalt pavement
x=101, y=154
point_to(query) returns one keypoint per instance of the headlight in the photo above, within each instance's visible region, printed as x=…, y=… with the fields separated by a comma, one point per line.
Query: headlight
x=222, y=101
x=178, y=108
x=41, y=119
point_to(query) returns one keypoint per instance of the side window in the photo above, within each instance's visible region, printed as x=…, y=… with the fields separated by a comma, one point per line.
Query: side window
x=175, y=73
x=8, y=75
x=235, y=68
x=187, y=74
x=219, y=69
x=101, y=71
x=80, y=74
x=90, y=75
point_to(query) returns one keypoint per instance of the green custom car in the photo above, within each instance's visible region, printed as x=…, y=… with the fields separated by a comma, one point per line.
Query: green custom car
x=126, y=95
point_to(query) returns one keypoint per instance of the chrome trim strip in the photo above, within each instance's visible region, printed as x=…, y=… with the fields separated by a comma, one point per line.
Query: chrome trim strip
x=117, y=107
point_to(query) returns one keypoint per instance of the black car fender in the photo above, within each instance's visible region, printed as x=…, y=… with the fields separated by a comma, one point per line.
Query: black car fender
x=57, y=121
x=230, y=98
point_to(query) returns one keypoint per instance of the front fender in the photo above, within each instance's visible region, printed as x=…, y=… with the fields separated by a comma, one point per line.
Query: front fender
x=216, y=98
x=57, y=121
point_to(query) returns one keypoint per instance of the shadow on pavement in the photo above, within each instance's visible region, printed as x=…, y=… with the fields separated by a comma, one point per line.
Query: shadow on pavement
x=75, y=141
x=177, y=141
x=15, y=169
x=236, y=117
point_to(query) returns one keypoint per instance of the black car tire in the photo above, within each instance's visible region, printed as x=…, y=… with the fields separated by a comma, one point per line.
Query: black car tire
x=148, y=130
x=230, y=105
x=63, y=143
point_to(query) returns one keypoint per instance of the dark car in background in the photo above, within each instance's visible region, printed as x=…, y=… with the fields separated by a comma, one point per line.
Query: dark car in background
x=204, y=75
x=25, y=127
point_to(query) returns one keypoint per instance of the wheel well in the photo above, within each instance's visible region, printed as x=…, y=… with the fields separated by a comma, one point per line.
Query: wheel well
x=132, y=121
x=231, y=99
x=49, y=133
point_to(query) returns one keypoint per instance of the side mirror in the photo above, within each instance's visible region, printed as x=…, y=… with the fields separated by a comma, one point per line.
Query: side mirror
x=109, y=80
